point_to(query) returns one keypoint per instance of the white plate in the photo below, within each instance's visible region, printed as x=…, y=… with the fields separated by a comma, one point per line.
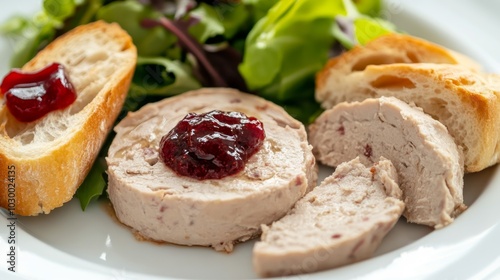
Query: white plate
x=71, y=244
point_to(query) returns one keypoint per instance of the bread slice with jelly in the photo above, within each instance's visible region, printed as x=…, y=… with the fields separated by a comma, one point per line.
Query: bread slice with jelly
x=51, y=156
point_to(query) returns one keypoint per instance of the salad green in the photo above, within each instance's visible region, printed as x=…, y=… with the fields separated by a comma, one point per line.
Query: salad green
x=272, y=48
x=94, y=184
x=151, y=42
x=290, y=45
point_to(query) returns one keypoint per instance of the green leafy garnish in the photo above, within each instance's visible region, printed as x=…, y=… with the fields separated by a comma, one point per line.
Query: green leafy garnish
x=59, y=9
x=85, y=12
x=370, y=8
x=129, y=14
x=287, y=47
x=367, y=29
x=161, y=77
x=93, y=186
x=235, y=19
x=27, y=36
x=209, y=25
x=356, y=28
x=259, y=8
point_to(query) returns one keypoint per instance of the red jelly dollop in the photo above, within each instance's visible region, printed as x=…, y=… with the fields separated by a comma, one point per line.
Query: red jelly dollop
x=30, y=96
x=211, y=145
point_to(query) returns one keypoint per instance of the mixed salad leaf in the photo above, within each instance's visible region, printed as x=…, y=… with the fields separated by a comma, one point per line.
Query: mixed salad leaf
x=94, y=184
x=272, y=48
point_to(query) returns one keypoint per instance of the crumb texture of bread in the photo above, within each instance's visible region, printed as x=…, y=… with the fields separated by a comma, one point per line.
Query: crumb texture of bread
x=52, y=155
x=342, y=221
x=163, y=206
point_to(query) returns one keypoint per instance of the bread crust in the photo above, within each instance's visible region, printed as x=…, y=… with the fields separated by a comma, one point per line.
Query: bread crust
x=392, y=48
x=47, y=178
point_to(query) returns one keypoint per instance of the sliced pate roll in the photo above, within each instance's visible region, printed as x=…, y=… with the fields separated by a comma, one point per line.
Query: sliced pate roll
x=161, y=205
x=429, y=163
x=341, y=221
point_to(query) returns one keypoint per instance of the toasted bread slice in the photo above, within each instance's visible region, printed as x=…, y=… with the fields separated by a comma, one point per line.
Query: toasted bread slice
x=388, y=49
x=52, y=156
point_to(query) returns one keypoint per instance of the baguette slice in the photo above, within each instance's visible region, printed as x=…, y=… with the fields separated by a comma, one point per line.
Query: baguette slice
x=52, y=155
x=160, y=205
x=466, y=102
x=341, y=221
x=388, y=49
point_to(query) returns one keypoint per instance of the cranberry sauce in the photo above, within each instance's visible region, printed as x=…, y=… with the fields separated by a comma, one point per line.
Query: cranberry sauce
x=211, y=145
x=30, y=96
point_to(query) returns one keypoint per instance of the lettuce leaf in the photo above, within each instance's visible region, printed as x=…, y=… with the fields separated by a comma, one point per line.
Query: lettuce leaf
x=214, y=65
x=367, y=29
x=356, y=28
x=94, y=184
x=27, y=37
x=288, y=46
x=129, y=14
x=158, y=76
x=370, y=8
x=235, y=19
x=209, y=23
x=259, y=8
x=84, y=13
x=59, y=9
